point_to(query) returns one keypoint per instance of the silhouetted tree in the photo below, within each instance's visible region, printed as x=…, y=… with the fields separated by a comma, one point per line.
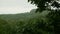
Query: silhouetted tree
x=45, y=4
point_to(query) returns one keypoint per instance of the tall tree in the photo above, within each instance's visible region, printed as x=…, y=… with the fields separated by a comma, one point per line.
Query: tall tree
x=50, y=5
x=45, y=4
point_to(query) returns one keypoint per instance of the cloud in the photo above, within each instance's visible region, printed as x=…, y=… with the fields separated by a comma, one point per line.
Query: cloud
x=15, y=6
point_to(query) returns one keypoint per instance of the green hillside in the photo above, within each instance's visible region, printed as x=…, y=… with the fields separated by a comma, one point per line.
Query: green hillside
x=18, y=17
x=26, y=23
x=21, y=16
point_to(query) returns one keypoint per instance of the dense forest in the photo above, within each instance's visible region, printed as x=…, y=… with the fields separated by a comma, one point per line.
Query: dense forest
x=42, y=20
x=25, y=23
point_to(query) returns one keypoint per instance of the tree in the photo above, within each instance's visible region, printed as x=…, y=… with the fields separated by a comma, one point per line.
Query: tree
x=49, y=5
x=45, y=4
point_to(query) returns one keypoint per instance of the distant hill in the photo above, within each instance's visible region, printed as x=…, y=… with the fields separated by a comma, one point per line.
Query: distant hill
x=21, y=16
x=18, y=17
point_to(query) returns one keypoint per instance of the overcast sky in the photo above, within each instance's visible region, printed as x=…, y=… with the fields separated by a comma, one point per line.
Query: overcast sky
x=15, y=6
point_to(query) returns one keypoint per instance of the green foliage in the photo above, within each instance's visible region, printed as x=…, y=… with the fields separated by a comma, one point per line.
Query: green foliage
x=35, y=23
x=44, y=4
x=46, y=22
x=54, y=15
x=4, y=27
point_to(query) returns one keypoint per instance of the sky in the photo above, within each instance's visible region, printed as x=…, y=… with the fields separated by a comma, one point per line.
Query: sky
x=15, y=6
